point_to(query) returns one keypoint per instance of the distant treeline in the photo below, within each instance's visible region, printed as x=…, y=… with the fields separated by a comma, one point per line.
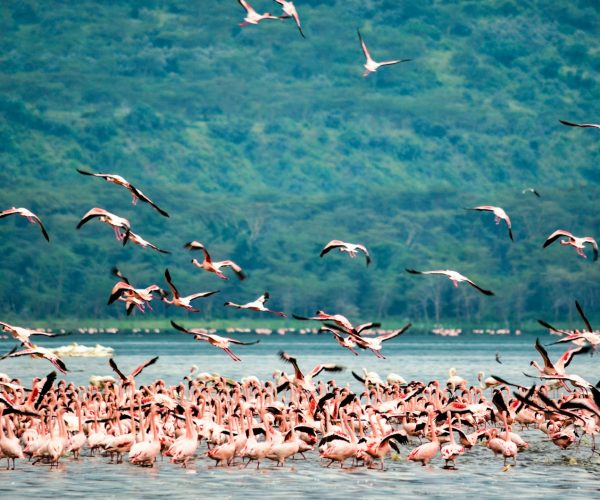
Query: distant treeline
x=264, y=146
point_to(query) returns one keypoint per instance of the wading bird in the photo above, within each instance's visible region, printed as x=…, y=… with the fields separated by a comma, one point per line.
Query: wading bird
x=370, y=65
x=306, y=381
x=135, y=192
x=29, y=215
x=453, y=276
x=214, y=340
x=499, y=214
x=23, y=334
x=213, y=267
x=36, y=351
x=577, y=243
x=350, y=248
x=138, y=240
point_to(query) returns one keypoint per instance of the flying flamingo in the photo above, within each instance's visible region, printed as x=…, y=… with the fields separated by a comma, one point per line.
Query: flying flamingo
x=350, y=248
x=41, y=352
x=253, y=17
x=184, y=302
x=29, y=215
x=306, y=381
x=371, y=66
x=24, y=334
x=212, y=339
x=213, y=267
x=138, y=240
x=130, y=379
x=531, y=190
x=577, y=243
x=583, y=125
x=289, y=10
x=453, y=276
x=115, y=221
x=120, y=181
x=499, y=214
x=257, y=305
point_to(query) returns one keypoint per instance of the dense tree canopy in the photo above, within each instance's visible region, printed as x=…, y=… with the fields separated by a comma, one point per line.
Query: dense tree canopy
x=264, y=146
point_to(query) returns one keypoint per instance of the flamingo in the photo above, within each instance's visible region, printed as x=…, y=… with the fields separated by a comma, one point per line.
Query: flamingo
x=306, y=382
x=499, y=214
x=583, y=125
x=531, y=190
x=253, y=17
x=29, y=215
x=453, y=276
x=214, y=267
x=115, y=221
x=350, y=248
x=371, y=66
x=138, y=240
x=257, y=305
x=212, y=339
x=289, y=10
x=451, y=451
x=184, y=302
x=24, y=334
x=36, y=351
x=375, y=343
x=10, y=447
x=130, y=379
x=120, y=181
x=577, y=243
x=425, y=452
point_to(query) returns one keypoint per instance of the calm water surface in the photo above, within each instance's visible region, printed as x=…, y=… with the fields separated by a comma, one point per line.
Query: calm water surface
x=543, y=471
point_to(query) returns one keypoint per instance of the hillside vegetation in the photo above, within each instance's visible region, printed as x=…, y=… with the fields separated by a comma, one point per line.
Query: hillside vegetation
x=264, y=146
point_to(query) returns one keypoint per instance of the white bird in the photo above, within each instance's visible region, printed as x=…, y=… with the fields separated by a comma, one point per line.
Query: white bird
x=499, y=214
x=453, y=276
x=350, y=248
x=213, y=339
x=290, y=10
x=577, y=243
x=23, y=334
x=257, y=305
x=138, y=240
x=253, y=17
x=120, y=181
x=29, y=215
x=371, y=66
x=180, y=301
x=115, y=221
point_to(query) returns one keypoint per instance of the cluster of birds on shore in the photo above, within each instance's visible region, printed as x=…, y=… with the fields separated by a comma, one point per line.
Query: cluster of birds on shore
x=251, y=420
x=236, y=423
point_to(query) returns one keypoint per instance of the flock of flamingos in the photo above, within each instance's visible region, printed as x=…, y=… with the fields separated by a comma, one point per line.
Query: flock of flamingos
x=250, y=421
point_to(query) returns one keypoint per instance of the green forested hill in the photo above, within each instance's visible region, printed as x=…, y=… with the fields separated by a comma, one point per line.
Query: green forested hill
x=264, y=146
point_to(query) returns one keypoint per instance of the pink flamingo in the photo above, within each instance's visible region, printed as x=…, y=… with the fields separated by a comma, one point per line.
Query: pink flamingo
x=425, y=452
x=499, y=214
x=113, y=220
x=370, y=65
x=184, y=302
x=253, y=17
x=213, y=339
x=120, y=181
x=577, y=243
x=29, y=215
x=349, y=248
x=214, y=267
x=257, y=305
x=453, y=276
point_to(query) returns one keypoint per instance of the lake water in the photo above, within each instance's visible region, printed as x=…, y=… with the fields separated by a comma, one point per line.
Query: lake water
x=542, y=471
